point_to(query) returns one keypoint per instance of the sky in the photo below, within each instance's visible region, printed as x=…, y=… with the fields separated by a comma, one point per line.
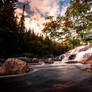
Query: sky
x=37, y=10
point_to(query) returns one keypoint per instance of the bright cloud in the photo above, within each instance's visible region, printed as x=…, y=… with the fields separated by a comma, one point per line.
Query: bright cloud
x=37, y=10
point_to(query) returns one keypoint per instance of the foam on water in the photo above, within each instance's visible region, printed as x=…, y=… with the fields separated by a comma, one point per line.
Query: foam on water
x=78, y=54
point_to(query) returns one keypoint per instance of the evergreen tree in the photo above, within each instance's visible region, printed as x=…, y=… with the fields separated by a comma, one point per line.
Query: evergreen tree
x=22, y=21
x=21, y=31
x=8, y=28
x=7, y=15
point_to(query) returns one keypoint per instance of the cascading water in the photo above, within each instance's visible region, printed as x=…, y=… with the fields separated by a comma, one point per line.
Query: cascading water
x=78, y=54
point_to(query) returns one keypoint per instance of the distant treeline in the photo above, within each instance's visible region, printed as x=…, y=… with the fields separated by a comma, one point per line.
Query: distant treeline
x=16, y=40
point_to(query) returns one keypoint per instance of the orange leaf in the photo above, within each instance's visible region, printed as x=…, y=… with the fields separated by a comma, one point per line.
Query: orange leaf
x=77, y=5
x=78, y=32
x=66, y=39
x=69, y=25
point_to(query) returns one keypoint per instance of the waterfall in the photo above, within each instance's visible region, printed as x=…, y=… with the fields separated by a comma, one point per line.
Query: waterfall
x=78, y=54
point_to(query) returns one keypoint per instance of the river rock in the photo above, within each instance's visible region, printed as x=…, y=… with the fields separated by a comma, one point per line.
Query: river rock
x=49, y=61
x=35, y=60
x=14, y=66
x=2, y=71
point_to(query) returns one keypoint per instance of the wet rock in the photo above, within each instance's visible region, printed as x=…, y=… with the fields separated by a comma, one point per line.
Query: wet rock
x=56, y=59
x=14, y=66
x=84, y=62
x=59, y=58
x=72, y=56
x=89, y=70
x=49, y=61
x=2, y=71
x=35, y=60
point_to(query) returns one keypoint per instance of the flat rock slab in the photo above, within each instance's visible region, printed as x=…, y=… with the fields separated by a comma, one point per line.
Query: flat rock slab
x=69, y=78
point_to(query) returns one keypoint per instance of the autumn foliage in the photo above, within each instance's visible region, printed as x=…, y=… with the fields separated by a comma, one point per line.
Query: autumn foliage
x=77, y=17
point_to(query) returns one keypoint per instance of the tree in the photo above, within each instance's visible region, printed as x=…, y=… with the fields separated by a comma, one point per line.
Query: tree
x=21, y=31
x=22, y=21
x=51, y=27
x=8, y=28
x=77, y=20
x=79, y=12
x=7, y=14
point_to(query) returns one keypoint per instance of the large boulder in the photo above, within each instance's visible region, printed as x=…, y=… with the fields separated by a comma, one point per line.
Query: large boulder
x=14, y=66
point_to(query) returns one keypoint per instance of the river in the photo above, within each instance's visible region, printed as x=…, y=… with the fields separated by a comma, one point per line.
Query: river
x=50, y=78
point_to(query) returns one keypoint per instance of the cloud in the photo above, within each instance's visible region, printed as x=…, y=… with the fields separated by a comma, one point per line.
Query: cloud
x=63, y=10
x=37, y=10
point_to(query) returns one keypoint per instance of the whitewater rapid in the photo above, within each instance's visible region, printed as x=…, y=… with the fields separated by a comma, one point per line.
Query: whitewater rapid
x=78, y=54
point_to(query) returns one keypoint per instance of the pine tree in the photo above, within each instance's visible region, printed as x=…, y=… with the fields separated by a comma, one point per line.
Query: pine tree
x=22, y=31
x=22, y=21
x=7, y=14
x=8, y=28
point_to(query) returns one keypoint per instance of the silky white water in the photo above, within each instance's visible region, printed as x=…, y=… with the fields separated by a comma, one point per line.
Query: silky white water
x=77, y=55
